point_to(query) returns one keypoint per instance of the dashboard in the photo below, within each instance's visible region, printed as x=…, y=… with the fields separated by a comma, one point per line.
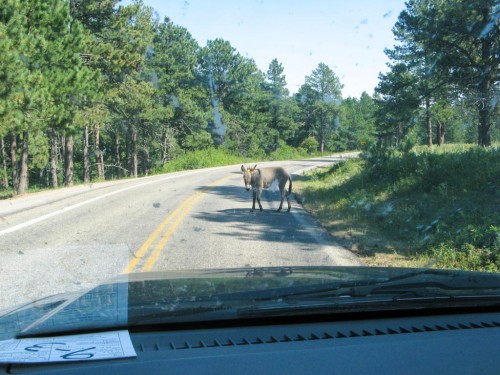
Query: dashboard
x=464, y=343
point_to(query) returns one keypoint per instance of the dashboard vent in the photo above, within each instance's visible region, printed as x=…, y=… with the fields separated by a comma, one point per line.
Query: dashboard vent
x=265, y=336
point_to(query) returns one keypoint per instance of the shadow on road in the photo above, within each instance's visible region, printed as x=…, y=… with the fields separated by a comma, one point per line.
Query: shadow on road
x=229, y=192
x=267, y=225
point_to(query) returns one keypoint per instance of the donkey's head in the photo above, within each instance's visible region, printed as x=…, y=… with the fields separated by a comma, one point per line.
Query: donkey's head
x=247, y=175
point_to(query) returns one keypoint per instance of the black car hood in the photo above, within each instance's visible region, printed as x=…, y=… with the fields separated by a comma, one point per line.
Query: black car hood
x=149, y=298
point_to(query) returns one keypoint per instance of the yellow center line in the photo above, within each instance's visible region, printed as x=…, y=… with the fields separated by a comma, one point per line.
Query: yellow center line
x=144, y=248
x=161, y=244
x=187, y=205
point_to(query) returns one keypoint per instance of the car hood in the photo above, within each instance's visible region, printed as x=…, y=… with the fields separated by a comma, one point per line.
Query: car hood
x=200, y=295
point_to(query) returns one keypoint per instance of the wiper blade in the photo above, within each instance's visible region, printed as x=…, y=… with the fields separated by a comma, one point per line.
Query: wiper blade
x=422, y=286
x=423, y=282
x=363, y=304
x=180, y=310
x=265, y=272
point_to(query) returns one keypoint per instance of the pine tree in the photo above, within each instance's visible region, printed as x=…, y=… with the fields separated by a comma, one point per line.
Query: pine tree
x=321, y=96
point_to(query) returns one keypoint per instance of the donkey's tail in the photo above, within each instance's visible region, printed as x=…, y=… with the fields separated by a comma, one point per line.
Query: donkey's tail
x=290, y=185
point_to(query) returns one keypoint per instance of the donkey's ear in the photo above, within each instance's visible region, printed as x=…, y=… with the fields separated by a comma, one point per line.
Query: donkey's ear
x=255, y=166
x=242, y=168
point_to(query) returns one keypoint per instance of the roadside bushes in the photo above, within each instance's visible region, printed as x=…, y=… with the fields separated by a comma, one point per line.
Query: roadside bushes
x=459, y=168
x=210, y=157
x=435, y=205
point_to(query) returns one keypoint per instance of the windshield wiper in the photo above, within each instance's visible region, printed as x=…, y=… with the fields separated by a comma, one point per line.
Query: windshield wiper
x=422, y=282
x=418, y=287
x=423, y=287
x=179, y=310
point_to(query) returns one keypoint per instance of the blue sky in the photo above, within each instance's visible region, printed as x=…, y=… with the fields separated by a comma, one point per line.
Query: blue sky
x=347, y=35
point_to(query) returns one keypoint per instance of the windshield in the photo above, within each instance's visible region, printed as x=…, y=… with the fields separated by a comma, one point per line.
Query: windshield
x=251, y=156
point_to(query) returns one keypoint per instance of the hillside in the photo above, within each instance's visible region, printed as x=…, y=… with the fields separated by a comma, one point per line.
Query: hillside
x=434, y=207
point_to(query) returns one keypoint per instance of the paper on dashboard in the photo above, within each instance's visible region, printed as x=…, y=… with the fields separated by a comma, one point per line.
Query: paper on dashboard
x=85, y=347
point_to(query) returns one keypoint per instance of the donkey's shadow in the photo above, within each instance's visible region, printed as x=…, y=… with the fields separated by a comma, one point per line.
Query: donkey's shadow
x=240, y=194
x=267, y=225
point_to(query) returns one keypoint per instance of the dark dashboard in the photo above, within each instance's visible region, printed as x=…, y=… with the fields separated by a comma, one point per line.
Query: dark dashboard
x=423, y=344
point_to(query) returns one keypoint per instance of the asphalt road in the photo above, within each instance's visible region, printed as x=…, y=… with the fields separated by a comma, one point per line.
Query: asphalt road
x=75, y=238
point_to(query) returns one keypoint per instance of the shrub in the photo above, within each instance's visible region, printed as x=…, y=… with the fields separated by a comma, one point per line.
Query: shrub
x=436, y=204
x=210, y=157
x=310, y=144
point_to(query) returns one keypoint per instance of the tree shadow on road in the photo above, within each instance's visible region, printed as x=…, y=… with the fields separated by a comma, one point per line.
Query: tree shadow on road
x=228, y=191
x=267, y=225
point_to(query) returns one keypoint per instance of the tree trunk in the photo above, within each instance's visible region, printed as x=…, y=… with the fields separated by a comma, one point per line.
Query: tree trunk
x=5, y=180
x=439, y=133
x=68, y=161
x=322, y=133
x=428, y=120
x=13, y=160
x=442, y=128
x=99, y=154
x=53, y=159
x=63, y=150
x=163, y=147
x=86, y=161
x=145, y=155
x=399, y=136
x=484, y=136
x=135, y=159
x=23, y=178
x=118, y=157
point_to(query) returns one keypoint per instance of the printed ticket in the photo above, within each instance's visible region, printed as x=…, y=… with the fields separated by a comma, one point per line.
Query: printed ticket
x=85, y=347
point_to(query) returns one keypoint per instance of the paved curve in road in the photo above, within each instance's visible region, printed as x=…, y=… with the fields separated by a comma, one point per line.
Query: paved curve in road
x=75, y=238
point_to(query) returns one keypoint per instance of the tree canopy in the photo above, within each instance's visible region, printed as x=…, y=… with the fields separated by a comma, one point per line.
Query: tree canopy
x=94, y=89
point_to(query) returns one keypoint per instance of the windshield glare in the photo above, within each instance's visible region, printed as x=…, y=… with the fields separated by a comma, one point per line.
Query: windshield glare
x=192, y=157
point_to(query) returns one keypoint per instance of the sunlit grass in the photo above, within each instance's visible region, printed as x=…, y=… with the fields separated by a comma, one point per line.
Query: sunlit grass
x=7, y=193
x=215, y=157
x=436, y=206
x=211, y=157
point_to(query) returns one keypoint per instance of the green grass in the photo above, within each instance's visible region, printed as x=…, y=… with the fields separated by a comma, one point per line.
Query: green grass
x=7, y=193
x=10, y=193
x=213, y=157
x=430, y=206
x=201, y=159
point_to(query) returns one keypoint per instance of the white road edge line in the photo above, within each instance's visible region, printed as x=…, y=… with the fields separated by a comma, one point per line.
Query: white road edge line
x=39, y=219
x=28, y=223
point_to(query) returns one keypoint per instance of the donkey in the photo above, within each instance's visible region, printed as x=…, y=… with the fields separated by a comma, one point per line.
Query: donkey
x=263, y=178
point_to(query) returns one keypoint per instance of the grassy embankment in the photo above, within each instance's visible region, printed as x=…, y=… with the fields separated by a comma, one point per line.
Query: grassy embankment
x=432, y=206
x=218, y=157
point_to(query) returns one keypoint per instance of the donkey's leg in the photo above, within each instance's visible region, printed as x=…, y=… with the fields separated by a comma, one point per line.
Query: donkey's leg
x=254, y=195
x=258, y=198
x=288, y=201
x=282, y=193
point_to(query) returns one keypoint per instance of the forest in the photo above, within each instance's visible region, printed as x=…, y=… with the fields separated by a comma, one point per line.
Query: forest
x=93, y=90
